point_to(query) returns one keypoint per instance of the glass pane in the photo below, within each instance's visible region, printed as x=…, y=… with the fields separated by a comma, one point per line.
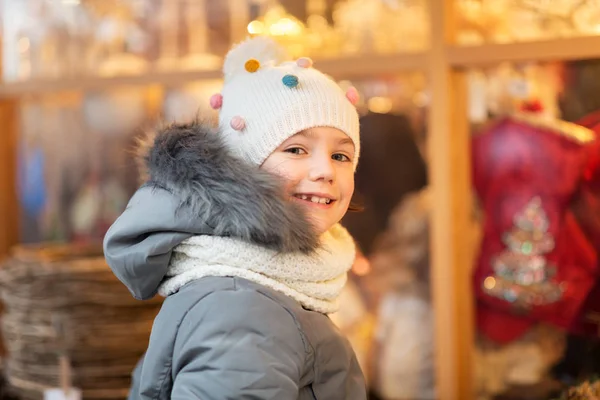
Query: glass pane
x=535, y=278
x=51, y=39
x=506, y=21
x=76, y=167
x=386, y=308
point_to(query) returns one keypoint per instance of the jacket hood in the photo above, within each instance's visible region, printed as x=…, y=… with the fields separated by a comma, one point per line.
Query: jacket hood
x=231, y=196
x=195, y=186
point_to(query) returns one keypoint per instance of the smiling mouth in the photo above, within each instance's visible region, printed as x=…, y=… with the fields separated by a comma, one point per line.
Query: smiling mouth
x=314, y=199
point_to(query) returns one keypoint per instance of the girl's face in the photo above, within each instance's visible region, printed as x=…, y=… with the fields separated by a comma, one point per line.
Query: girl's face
x=317, y=164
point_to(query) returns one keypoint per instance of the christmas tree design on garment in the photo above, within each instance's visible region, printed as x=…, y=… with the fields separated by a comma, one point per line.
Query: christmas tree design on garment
x=522, y=275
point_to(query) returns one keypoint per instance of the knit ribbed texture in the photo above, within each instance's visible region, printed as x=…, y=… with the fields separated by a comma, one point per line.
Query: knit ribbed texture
x=273, y=112
x=315, y=280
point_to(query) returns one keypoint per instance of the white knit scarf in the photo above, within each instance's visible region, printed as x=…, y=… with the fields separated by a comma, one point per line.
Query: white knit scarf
x=314, y=280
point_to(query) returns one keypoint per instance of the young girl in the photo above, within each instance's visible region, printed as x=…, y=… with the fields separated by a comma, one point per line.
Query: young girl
x=238, y=228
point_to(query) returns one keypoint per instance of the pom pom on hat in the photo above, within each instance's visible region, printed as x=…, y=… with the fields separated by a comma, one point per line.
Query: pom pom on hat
x=352, y=95
x=263, y=50
x=304, y=62
x=216, y=101
x=252, y=65
x=290, y=81
x=238, y=123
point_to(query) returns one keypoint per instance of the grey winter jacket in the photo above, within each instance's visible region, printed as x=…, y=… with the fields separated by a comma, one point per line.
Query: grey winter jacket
x=222, y=338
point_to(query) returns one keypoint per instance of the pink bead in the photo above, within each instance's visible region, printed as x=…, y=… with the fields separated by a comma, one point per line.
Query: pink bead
x=304, y=62
x=216, y=101
x=352, y=95
x=238, y=123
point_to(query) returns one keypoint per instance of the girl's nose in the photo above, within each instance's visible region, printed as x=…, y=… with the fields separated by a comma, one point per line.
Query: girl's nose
x=322, y=169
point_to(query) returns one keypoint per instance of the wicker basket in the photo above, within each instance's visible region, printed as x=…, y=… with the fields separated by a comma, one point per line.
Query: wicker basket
x=63, y=299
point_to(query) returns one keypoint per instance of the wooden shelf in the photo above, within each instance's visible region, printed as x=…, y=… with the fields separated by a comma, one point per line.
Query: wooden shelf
x=93, y=83
x=347, y=67
x=568, y=49
x=340, y=68
x=369, y=65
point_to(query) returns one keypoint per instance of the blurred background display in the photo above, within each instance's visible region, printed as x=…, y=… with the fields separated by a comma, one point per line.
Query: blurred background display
x=450, y=91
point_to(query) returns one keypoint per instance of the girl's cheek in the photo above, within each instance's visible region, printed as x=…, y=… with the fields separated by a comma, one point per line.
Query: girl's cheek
x=285, y=175
x=348, y=180
x=291, y=185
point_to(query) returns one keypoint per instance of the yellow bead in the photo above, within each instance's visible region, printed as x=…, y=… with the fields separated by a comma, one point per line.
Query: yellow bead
x=252, y=65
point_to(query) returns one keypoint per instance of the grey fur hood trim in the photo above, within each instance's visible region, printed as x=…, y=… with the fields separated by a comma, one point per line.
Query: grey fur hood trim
x=231, y=196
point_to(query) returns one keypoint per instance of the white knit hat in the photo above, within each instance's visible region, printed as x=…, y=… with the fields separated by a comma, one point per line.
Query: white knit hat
x=265, y=100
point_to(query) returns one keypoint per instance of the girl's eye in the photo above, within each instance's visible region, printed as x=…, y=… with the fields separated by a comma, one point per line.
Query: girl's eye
x=295, y=150
x=340, y=157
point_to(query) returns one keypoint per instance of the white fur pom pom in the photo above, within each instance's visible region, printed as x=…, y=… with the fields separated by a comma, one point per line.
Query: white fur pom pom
x=261, y=48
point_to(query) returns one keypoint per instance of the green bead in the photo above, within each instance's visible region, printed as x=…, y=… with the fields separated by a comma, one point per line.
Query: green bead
x=527, y=247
